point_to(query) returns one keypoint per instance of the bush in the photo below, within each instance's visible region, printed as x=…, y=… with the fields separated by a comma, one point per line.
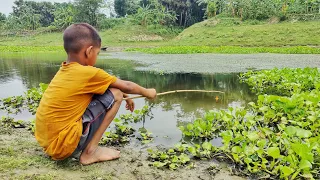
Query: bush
x=109, y=23
x=165, y=30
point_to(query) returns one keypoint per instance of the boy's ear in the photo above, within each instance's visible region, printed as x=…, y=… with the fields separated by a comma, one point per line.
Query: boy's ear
x=89, y=51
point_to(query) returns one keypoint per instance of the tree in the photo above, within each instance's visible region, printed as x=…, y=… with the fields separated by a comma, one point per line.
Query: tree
x=2, y=17
x=2, y=20
x=46, y=11
x=126, y=7
x=154, y=14
x=212, y=7
x=188, y=11
x=43, y=9
x=63, y=15
x=13, y=24
x=29, y=19
x=87, y=11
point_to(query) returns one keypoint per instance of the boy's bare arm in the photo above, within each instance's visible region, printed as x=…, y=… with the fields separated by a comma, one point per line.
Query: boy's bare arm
x=133, y=88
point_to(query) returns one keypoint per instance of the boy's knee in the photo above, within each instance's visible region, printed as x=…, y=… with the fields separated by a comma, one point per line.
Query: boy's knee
x=118, y=95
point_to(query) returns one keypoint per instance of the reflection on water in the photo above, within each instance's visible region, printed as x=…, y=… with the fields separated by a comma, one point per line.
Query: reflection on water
x=19, y=72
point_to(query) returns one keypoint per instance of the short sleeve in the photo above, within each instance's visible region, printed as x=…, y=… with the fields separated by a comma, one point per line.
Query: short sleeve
x=99, y=83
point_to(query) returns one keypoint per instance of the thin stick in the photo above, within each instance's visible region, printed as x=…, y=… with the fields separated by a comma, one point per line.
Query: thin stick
x=176, y=91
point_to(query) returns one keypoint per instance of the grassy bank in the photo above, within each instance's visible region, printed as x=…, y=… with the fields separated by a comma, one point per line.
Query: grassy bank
x=227, y=50
x=22, y=158
x=30, y=49
x=210, y=36
x=121, y=36
x=232, y=32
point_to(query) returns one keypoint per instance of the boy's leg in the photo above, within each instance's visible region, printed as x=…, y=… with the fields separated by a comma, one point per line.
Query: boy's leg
x=93, y=153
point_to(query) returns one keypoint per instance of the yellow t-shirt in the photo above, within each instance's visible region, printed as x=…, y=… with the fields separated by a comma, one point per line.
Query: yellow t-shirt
x=58, y=118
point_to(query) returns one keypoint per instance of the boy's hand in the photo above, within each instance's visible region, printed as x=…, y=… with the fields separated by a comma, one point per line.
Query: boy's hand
x=151, y=94
x=130, y=105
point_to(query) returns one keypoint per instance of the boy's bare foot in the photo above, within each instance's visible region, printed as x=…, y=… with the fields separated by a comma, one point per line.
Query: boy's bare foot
x=99, y=155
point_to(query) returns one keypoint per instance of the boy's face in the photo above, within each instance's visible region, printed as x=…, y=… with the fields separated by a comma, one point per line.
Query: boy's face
x=92, y=55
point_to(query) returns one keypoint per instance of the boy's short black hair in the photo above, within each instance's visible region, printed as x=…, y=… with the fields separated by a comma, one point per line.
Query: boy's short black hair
x=77, y=36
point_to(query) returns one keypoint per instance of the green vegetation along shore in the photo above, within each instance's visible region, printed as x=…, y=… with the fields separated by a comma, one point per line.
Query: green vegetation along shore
x=211, y=36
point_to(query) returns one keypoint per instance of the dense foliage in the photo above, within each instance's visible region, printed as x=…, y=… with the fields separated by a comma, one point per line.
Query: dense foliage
x=285, y=82
x=31, y=15
x=277, y=136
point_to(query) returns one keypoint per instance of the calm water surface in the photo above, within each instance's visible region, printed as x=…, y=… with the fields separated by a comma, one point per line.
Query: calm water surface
x=19, y=72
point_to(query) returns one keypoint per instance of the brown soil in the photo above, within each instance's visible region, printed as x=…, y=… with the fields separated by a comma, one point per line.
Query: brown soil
x=22, y=158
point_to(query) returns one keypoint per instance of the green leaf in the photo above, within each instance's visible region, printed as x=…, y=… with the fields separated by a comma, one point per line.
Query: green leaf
x=175, y=159
x=303, y=133
x=236, y=157
x=291, y=130
x=253, y=136
x=227, y=136
x=171, y=151
x=207, y=146
x=264, y=108
x=247, y=160
x=249, y=150
x=305, y=164
x=158, y=164
x=286, y=171
x=184, y=158
x=117, y=120
x=237, y=149
x=192, y=150
x=137, y=111
x=189, y=127
x=173, y=166
x=262, y=143
x=274, y=152
x=307, y=176
x=303, y=150
x=164, y=156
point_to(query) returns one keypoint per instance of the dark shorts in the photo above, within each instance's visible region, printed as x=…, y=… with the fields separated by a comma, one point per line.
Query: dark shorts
x=93, y=117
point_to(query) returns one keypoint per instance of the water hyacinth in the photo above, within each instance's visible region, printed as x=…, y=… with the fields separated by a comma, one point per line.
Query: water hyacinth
x=278, y=136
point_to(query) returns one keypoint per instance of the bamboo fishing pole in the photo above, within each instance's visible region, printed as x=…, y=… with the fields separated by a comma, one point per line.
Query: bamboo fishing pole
x=176, y=91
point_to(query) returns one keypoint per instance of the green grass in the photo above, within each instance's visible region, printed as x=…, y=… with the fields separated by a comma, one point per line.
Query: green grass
x=30, y=49
x=124, y=35
x=227, y=50
x=226, y=35
x=22, y=158
x=216, y=32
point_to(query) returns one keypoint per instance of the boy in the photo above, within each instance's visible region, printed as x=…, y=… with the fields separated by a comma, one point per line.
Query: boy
x=81, y=101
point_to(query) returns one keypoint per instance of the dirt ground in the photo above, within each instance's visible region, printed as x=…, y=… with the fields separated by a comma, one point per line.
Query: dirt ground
x=22, y=158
